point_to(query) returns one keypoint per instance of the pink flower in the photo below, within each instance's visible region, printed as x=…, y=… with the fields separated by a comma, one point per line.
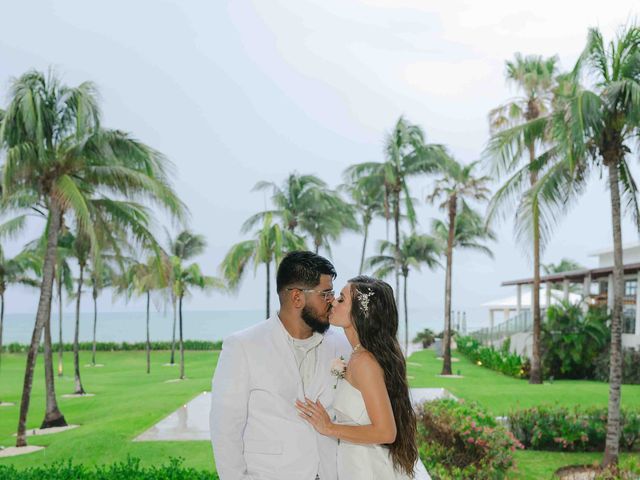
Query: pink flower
x=338, y=369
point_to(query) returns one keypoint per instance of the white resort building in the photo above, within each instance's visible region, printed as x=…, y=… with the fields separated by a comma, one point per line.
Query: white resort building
x=589, y=285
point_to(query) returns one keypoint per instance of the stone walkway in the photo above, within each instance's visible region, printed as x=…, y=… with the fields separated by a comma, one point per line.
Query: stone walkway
x=191, y=421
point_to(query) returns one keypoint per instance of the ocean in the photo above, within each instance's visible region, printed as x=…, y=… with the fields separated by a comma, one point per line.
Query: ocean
x=210, y=325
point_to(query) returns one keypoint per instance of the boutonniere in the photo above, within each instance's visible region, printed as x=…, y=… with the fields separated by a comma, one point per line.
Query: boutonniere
x=338, y=369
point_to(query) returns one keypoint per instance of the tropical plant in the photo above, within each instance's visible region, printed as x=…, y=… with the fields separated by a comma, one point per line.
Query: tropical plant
x=58, y=158
x=594, y=129
x=368, y=198
x=564, y=265
x=186, y=278
x=185, y=246
x=268, y=246
x=143, y=278
x=415, y=250
x=572, y=340
x=426, y=337
x=407, y=155
x=464, y=228
x=534, y=76
x=100, y=277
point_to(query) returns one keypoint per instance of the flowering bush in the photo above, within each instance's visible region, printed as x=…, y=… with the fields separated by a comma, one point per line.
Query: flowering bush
x=461, y=441
x=563, y=429
x=500, y=360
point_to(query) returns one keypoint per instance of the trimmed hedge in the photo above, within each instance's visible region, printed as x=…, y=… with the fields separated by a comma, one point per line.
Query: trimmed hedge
x=127, y=470
x=555, y=428
x=462, y=441
x=121, y=346
x=501, y=360
x=630, y=366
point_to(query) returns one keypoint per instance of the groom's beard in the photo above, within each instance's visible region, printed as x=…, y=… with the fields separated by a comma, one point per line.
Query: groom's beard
x=312, y=319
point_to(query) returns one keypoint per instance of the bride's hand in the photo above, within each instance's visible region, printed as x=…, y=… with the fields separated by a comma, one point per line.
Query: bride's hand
x=316, y=415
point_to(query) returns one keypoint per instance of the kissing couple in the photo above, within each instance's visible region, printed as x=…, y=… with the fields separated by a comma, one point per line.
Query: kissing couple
x=293, y=399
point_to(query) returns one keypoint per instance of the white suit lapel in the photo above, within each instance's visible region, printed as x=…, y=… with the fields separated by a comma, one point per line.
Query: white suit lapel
x=282, y=350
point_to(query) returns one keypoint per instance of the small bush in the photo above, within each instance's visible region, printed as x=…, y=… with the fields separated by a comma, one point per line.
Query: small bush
x=426, y=337
x=461, y=441
x=574, y=430
x=630, y=369
x=120, y=346
x=127, y=470
x=500, y=360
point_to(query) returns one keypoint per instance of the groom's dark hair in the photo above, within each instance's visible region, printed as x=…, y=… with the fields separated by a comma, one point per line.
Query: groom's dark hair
x=302, y=268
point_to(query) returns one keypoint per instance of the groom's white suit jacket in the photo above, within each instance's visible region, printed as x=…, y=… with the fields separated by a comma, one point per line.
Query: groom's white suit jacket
x=256, y=432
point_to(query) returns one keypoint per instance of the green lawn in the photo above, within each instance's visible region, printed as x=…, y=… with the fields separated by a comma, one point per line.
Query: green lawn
x=128, y=401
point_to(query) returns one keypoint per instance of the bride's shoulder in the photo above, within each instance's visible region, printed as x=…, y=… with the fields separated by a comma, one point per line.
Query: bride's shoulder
x=364, y=363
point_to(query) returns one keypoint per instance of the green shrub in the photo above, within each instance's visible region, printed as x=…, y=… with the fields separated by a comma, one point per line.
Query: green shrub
x=426, y=337
x=571, y=340
x=630, y=366
x=501, y=360
x=556, y=428
x=121, y=346
x=461, y=441
x=128, y=470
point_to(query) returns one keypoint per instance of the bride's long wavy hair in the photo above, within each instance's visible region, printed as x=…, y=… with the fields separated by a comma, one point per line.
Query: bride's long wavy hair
x=377, y=327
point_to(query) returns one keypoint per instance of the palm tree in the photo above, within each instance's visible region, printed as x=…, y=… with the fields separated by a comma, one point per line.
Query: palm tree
x=81, y=251
x=368, y=199
x=185, y=246
x=407, y=155
x=593, y=128
x=100, y=277
x=327, y=218
x=142, y=278
x=63, y=279
x=535, y=77
x=565, y=265
x=186, y=278
x=57, y=158
x=415, y=250
x=463, y=228
x=269, y=245
x=15, y=271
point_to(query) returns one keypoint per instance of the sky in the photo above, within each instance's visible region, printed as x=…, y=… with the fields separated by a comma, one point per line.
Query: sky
x=235, y=92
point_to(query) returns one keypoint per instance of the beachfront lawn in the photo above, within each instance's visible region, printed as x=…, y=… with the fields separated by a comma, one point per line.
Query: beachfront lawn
x=128, y=402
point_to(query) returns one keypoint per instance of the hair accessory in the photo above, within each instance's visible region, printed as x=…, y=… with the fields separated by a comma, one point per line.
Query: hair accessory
x=363, y=298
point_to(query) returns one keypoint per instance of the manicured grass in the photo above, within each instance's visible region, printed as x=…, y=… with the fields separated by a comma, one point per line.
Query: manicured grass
x=500, y=394
x=127, y=402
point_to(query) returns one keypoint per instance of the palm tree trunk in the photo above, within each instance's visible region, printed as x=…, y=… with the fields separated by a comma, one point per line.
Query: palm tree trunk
x=1, y=323
x=76, y=339
x=364, y=247
x=60, y=344
x=53, y=417
x=181, y=340
x=148, y=340
x=44, y=310
x=396, y=221
x=173, y=338
x=95, y=324
x=612, y=445
x=535, y=376
x=446, y=340
x=268, y=264
x=406, y=319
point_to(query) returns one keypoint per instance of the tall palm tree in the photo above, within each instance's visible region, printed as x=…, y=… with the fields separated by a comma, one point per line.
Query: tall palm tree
x=64, y=281
x=57, y=158
x=292, y=200
x=327, y=218
x=185, y=246
x=143, y=278
x=463, y=227
x=406, y=155
x=187, y=278
x=534, y=76
x=594, y=128
x=268, y=246
x=81, y=251
x=415, y=250
x=100, y=277
x=368, y=198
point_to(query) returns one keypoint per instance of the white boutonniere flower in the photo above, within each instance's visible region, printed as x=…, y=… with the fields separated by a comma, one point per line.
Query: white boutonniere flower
x=338, y=369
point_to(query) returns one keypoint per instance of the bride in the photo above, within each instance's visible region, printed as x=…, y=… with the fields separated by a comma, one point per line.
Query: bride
x=374, y=421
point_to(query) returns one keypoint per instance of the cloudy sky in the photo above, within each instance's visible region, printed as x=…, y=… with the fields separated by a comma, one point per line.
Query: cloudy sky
x=234, y=92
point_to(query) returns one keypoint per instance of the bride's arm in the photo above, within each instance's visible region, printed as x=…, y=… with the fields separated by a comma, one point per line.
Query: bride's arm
x=367, y=376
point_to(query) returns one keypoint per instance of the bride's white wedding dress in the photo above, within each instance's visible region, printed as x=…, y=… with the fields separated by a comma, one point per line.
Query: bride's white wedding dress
x=363, y=462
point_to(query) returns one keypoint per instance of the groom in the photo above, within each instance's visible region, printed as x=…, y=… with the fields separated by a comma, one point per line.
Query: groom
x=255, y=429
